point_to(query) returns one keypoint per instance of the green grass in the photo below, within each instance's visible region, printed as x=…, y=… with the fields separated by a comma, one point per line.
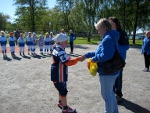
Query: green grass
x=137, y=42
x=81, y=40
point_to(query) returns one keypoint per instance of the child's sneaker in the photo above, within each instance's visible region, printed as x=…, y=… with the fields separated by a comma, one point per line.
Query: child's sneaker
x=69, y=110
x=60, y=105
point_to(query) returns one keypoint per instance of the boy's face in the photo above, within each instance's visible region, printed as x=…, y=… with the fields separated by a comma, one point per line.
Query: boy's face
x=64, y=43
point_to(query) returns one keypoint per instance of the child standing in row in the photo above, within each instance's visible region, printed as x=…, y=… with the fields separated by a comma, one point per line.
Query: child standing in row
x=29, y=42
x=12, y=41
x=59, y=71
x=47, y=43
x=146, y=51
x=51, y=41
x=41, y=43
x=21, y=43
x=34, y=43
x=3, y=42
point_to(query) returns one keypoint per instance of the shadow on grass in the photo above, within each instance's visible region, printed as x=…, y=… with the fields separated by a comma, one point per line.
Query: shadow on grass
x=135, y=108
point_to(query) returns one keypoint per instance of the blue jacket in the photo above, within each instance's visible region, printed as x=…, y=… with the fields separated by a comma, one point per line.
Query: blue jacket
x=21, y=42
x=105, y=50
x=29, y=41
x=12, y=41
x=146, y=46
x=123, y=43
x=72, y=37
x=3, y=41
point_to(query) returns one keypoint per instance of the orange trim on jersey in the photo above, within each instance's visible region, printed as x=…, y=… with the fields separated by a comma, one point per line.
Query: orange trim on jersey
x=61, y=74
x=72, y=62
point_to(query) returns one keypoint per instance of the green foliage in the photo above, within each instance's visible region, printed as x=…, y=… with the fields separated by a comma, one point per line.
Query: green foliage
x=30, y=14
x=80, y=15
x=83, y=40
x=3, y=21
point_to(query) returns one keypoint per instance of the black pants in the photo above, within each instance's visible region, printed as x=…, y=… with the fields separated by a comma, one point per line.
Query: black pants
x=71, y=46
x=147, y=60
x=118, y=85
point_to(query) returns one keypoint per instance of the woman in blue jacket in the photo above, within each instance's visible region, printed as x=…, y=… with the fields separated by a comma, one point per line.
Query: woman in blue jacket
x=123, y=44
x=105, y=52
x=146, y=51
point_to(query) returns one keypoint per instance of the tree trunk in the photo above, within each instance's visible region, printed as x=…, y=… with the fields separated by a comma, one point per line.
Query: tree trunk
x=124, y=14
x=32, y=15
x=136, y=20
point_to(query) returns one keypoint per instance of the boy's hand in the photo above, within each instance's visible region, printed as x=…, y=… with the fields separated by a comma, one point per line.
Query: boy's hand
x=69, y=58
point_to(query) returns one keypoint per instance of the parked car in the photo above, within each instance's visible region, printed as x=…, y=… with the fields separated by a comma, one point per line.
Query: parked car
x=139, y=37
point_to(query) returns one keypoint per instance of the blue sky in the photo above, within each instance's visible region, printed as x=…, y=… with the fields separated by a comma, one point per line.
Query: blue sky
x=7, y=7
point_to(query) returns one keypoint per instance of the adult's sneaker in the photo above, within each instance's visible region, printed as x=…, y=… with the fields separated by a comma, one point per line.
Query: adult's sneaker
x=146, y=70
x=118, y=99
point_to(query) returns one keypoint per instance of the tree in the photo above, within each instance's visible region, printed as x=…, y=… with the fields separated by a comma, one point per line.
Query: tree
x=133, y=14
x=65, y=6
x=3, y=21
x=83, y=16
x=28, y=12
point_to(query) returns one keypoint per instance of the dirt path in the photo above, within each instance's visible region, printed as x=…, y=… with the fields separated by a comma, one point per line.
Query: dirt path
x=25, y=85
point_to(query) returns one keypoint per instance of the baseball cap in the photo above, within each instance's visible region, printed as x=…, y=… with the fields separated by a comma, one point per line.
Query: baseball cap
x=61, y=37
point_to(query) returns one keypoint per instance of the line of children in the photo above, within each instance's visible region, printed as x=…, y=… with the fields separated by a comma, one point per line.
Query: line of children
x=59, y=71
x=12, y=41
x=21, y=43
x=3, y=42
x=45, y=44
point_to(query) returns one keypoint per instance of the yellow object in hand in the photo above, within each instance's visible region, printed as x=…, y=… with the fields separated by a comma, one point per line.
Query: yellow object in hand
x=92, y=66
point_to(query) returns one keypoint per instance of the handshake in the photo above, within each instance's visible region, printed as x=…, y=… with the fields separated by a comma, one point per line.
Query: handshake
x=81, y=58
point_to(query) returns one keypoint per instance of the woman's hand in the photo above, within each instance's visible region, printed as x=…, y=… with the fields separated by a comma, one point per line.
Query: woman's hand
x=82, y=58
